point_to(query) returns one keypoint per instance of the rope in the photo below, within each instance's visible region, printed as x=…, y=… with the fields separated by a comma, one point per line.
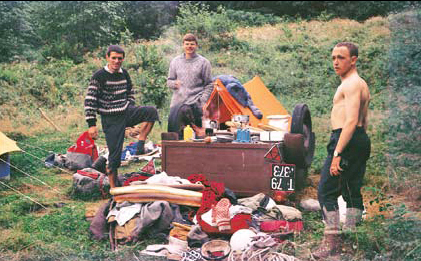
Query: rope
x=17, y=191
x=64, y=170
x=31, y=176
x=254, y=253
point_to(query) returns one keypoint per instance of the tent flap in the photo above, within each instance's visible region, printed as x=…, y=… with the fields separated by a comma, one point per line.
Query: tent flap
x=7, y=145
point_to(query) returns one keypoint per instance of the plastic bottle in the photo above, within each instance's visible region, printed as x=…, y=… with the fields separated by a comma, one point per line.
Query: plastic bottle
x=188, y=133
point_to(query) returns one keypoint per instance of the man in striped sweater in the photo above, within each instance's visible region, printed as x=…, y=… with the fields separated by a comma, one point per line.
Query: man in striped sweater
x=190, y=80
x=110, y=94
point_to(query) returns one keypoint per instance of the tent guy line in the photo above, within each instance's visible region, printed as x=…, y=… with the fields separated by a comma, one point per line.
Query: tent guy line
x=17, y=191
x=64, y=170
x=31, y=176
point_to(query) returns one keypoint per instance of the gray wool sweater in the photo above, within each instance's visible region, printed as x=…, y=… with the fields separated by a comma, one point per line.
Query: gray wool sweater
x=195, y=77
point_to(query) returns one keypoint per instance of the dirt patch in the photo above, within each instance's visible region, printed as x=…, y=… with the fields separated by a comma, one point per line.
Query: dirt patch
x=92, y=208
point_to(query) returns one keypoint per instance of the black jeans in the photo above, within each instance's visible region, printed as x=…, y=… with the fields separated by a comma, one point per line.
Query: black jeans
x=114, y=127
x=349, y=182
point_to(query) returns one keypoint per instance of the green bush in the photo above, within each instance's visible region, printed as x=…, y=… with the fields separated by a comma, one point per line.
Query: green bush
x=244, y=18
x=214, y=29
x=149, y=72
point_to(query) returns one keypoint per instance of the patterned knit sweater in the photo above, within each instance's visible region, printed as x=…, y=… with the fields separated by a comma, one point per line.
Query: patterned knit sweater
x=195, y=77
x=108, y=94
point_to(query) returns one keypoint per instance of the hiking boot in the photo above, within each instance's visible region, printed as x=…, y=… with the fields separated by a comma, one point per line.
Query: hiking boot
x=353, y=217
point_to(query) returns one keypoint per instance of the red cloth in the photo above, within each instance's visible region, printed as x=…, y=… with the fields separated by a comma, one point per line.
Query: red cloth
x=92, y=175
x=239, y=221
x=211, y=194
x=135, y=178
x=280, y=225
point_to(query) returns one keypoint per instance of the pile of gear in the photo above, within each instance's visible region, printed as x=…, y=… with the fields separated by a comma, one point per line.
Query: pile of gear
x=200, y=219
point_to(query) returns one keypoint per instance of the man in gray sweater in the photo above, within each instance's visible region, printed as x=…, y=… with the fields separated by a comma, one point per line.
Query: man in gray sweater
x=190, y=80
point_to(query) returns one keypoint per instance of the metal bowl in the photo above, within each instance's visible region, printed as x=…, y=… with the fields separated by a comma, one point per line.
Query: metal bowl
x=241, y=118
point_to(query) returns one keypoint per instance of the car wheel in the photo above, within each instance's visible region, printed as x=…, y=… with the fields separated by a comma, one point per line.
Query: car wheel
x=301, y=124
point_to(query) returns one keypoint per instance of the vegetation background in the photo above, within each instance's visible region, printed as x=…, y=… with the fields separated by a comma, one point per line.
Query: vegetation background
x=49, y=50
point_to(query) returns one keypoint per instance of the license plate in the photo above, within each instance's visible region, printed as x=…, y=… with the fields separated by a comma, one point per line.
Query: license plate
x=283, y=177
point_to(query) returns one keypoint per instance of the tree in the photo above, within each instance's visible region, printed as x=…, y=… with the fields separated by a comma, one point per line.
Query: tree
x=16, y=33
x=70, y=29
x=147, y=19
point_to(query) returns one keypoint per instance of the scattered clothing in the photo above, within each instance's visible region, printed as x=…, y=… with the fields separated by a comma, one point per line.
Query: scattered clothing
x=125, y=211
x=258, y=202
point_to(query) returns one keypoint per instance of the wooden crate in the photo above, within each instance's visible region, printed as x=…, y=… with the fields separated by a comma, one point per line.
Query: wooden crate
x=240, y=166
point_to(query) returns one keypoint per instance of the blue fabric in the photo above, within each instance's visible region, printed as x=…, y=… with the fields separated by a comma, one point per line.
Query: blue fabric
x=235, y=88
x=239, y=93
x=131, y=148
x=4, y=166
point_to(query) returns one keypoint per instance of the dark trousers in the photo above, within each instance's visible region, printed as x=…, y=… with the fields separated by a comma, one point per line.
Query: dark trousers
x=114, y=127
x=349, y=182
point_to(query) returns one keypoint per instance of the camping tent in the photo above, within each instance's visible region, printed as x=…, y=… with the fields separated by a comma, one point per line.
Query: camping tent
x=6, y=146
x=221, y=106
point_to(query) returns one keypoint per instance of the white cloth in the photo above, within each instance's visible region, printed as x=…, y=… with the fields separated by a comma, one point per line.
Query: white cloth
x=175, y=246
x=124, y=214
x=289, y=213
x=163, y=178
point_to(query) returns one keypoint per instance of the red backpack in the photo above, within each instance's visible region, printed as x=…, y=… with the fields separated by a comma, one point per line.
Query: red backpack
x=83, y=153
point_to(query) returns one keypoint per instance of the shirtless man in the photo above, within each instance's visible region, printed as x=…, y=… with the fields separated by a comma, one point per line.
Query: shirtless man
x=348, y=150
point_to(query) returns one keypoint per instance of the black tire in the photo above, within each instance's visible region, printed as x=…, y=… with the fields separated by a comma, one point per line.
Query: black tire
x=301, y=124
x=301, y=117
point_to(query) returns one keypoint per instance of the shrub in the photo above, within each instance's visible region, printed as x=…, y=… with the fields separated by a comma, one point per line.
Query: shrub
x=150, y=73
x=244, y=18
x=214, y=29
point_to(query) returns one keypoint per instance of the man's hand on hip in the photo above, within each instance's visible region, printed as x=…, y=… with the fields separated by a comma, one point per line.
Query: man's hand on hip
x=335, y=169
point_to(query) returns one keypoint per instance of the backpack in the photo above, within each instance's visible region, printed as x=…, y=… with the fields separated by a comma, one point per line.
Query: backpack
x=83, y=153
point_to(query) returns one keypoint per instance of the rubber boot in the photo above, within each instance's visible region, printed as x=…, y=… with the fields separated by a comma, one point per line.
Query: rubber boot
x=353, y=217
x=332, y=241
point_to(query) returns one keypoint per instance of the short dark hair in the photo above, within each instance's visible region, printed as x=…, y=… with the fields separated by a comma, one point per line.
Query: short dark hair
x=352, y=48
x=190, y=38
x=115, y=48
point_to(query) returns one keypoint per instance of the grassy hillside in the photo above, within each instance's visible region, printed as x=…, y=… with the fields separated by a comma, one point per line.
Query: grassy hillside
x=292, y=58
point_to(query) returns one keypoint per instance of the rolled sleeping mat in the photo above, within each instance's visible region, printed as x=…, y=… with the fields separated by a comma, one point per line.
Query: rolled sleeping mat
x=147, y=196
x=193, y=187
x=160, y=189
